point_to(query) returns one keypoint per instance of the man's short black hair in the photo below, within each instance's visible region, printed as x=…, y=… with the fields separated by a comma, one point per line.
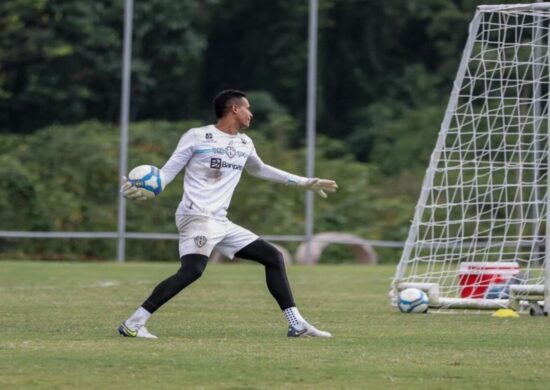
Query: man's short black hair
x=225, y=99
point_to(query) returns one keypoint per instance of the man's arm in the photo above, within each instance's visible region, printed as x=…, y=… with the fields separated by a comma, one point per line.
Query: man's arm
x=177, y=161
x=256, y=167
x=180, y=157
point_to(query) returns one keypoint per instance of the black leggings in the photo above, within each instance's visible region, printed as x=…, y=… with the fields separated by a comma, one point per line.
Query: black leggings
x=192, y=267
x=275, y=271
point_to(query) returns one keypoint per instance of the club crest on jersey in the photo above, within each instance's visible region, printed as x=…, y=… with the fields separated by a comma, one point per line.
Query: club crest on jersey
x=230, y=151
x=200, y=241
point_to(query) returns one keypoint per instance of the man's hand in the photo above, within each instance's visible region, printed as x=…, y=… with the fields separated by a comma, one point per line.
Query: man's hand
x=320, y=186
x=130, y=191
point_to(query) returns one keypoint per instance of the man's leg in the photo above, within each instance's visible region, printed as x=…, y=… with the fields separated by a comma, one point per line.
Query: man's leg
x=279, y=287
x=192, y=267
x=275, y=272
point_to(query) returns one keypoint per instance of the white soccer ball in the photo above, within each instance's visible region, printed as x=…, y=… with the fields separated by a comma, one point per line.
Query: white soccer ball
x=413, y=300
x=148, y=177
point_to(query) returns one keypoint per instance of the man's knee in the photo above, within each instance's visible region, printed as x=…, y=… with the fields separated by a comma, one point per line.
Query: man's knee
x=279, y=259
x=264, y=253
x=193, y=265
x=274, y=257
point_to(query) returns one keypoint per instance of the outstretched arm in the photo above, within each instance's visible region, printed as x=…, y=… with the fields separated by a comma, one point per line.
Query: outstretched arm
x=321, y=186
x=256, y=167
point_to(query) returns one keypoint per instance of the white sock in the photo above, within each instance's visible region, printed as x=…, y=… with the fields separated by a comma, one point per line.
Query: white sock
x=140, y=317
x=294, y=318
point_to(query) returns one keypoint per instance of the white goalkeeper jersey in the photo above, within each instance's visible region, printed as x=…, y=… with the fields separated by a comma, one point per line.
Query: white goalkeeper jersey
x=213, y=162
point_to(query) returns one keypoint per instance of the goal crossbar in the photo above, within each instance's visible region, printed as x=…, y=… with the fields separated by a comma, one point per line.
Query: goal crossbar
x=514, y=7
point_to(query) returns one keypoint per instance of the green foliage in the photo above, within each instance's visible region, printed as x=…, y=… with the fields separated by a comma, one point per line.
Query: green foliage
x=337, y=254
x=60, y=61
x=406, y=143
x=64, y=178
x=384, y=75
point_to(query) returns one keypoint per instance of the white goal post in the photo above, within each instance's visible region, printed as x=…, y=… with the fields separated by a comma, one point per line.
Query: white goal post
x=479, y=233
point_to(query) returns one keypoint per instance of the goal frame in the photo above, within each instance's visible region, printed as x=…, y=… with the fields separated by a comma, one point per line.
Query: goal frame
x=531, y=293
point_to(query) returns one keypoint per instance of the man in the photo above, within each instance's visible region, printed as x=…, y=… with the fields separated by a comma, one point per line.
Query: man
x=213, y=157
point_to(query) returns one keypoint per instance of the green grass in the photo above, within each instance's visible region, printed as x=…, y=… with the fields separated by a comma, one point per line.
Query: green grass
x=58, y=321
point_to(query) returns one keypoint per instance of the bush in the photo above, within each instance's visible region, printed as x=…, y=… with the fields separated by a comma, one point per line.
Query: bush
x=65, y=178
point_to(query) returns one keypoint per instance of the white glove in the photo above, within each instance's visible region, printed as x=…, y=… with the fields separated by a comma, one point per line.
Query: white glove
x=320, y=186
x=130, y=191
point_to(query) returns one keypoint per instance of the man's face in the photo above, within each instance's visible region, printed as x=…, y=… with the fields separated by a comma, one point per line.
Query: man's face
x=242, y=113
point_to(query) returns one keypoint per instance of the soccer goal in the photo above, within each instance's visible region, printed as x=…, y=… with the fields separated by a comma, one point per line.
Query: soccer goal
x=479, y=233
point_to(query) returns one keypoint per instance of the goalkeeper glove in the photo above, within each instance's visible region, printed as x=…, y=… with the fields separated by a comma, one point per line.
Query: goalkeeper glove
x=130, y=191
x=320, y=186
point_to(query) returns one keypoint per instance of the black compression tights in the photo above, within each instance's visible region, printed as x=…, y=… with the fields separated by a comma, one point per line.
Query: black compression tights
x=275, y=272
x=192, y=267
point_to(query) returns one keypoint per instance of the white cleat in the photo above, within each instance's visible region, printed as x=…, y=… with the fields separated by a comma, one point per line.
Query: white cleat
x=307, y=331
x=139, y=331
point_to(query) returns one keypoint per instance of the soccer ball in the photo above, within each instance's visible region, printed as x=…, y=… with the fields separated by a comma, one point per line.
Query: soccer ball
x=148, y=177
x=413, y=300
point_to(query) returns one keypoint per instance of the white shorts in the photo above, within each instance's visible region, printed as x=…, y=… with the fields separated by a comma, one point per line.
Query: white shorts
x=201, y=235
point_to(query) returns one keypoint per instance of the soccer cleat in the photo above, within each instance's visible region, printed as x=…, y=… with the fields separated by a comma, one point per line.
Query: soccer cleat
x=140, y=331
x=307, y=331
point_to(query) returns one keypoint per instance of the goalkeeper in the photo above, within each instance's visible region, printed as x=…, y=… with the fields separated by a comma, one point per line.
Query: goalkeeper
x=214, y=157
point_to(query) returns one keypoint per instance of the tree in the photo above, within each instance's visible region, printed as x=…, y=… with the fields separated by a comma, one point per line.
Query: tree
x=61, y=61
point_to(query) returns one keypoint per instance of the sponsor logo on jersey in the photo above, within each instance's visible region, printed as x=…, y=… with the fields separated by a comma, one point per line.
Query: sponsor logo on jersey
x=232, y=166
x=200, y=241
x=209, y=137
x=216, y=163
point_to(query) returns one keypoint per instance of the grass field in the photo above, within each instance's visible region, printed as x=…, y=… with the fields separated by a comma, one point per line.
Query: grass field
x=58, y=331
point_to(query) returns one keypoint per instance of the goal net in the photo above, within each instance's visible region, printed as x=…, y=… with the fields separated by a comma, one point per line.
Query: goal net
x=478, y=237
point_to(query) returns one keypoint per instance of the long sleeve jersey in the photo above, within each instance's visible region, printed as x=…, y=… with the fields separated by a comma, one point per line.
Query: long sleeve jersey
x=213, y=162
